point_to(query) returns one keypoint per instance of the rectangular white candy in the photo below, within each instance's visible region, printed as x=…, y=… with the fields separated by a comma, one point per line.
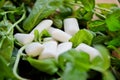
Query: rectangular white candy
x=24, y=38
x=71, y=25
x=62, y=47
x=89, y=50
x=49, y=51
x=59, y=35
x=45, y=24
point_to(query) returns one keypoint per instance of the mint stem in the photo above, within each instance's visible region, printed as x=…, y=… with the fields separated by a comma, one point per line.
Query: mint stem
x=17, y=62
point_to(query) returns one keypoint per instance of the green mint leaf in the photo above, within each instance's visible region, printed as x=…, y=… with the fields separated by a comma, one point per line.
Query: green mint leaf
x=82, y=36
x=74, y=65
x=101, y=63
x=1, y=3
x=72, y=73
x=57, y=22
x=88, y=4
x=113, y=20
x=115, y=42
x=41, y=9
x=39, y=36
x=100, y=39
x=6, y=40
x=5, y=71
x=43, y=34
x=46, y=65
x=36, y=34
x=79, y=59
x=97, y=25
x=107, y=75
